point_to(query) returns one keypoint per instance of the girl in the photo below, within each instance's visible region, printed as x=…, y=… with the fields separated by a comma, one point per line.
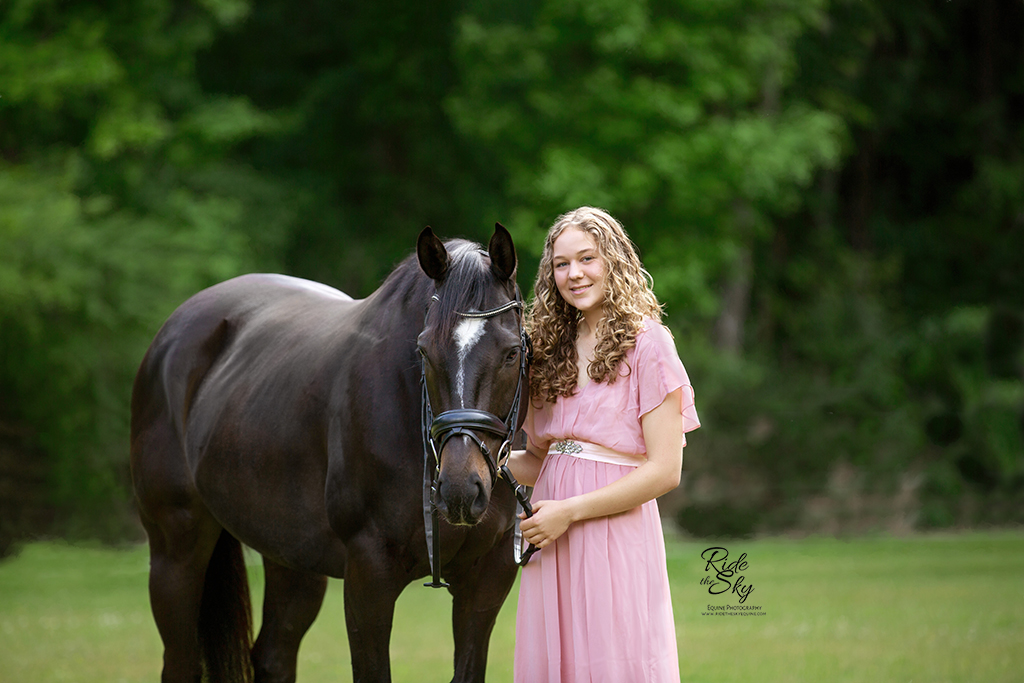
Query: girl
x=610, y=404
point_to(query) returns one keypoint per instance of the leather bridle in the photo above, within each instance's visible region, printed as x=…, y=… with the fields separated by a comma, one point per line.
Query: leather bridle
x=468, y=422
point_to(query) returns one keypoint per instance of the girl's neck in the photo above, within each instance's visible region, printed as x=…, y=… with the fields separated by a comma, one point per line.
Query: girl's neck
x=587, y=325
x=586, y=342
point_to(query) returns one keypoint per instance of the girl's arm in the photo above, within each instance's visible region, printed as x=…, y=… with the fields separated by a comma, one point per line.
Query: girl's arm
x=525, y=465
x=660, y=474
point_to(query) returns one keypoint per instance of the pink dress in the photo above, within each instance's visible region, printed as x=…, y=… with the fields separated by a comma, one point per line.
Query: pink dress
x=594, y=606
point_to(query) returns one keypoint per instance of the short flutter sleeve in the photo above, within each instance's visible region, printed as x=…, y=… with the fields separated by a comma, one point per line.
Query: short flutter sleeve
x=657, y=372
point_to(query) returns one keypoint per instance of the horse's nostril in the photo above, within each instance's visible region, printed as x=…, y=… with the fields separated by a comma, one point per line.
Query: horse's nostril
x=463, y=502
x=480, y=502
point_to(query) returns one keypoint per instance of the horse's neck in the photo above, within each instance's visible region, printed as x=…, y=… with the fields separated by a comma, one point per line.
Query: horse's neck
x=397, y=308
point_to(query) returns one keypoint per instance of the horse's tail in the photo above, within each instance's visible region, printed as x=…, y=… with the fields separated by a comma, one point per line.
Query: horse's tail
x=225, y=618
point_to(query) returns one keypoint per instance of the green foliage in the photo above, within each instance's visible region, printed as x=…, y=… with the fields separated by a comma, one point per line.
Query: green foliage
x=670, y=115
x=886, y=333
x=973, y=418
x=946, y=150
x=359, y=89
x=116, y=204
x=825, y=391
x=838, y=179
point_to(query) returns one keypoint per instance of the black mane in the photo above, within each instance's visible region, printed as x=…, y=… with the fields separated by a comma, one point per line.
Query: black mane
x=465, y=286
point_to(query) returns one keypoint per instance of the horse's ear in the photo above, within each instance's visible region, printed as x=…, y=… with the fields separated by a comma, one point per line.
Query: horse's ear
x=432, y=254
x=503, y=253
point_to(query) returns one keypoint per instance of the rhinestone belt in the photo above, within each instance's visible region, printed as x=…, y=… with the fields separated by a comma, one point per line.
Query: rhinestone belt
x=566, y=447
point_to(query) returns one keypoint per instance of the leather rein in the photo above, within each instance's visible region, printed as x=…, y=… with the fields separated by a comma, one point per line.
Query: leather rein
x=467, y=422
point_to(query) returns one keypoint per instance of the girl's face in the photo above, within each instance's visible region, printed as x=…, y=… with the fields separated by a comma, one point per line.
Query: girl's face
x=579, y=272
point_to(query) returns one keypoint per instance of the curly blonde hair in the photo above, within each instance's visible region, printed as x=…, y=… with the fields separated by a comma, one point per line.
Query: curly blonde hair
x=553, y=323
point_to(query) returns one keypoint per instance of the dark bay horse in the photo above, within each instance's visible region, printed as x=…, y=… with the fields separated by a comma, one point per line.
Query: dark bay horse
x=284, y=415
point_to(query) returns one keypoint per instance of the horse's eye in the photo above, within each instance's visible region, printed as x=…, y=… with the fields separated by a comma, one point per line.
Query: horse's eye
x=512, y=355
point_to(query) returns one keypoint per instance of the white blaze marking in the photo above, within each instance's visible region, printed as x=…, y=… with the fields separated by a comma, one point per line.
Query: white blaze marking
x=467, y=334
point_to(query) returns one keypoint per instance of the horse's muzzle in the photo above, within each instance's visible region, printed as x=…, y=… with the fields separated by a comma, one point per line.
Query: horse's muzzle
x=464, y=485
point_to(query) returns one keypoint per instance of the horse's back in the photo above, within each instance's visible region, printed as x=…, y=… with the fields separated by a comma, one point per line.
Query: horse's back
x=244, y=300
x=205, y=325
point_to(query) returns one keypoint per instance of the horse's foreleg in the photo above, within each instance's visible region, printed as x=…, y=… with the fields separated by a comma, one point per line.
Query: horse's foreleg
x=292, y=600
x=372, y=585
x=477, y=596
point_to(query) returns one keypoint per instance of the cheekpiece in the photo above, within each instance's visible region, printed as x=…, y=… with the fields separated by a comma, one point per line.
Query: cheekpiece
x=566, y=447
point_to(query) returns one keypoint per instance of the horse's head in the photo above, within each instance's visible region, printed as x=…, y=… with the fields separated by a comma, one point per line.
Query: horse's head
x=473, y=348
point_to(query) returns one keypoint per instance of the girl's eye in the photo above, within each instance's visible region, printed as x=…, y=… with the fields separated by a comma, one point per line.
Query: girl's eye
x=561, y=264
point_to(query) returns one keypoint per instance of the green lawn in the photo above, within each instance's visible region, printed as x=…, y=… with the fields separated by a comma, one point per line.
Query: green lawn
x=934, y=608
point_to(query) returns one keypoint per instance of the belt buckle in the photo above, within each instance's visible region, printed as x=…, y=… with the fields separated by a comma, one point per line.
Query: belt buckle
x=566, y=447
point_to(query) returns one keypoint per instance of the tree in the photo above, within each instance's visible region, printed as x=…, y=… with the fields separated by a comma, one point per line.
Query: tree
x=669, y=114
x=117, y=201
x=367, y=142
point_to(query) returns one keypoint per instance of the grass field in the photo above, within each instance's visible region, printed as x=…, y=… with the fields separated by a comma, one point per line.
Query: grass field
x=932, y=608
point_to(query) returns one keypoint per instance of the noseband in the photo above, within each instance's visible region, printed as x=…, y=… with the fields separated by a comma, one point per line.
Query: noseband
x=468, y=422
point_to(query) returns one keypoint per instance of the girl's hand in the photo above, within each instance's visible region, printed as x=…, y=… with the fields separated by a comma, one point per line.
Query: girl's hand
x=549, y=521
